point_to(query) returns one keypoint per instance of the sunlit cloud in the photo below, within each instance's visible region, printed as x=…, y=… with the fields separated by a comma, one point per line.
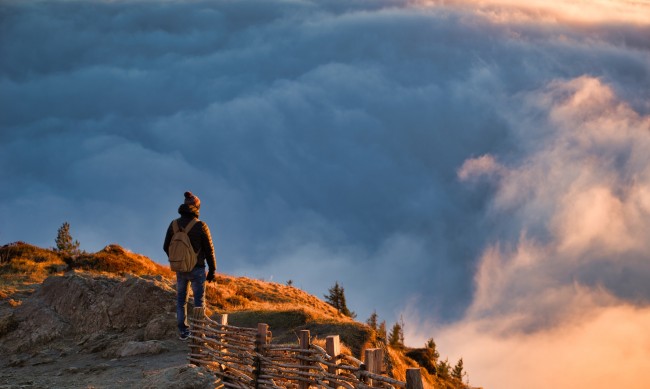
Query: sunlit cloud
x=607, y=347
x=554, y=11
x=485, y=165
x=580, y=203
x=579, y=200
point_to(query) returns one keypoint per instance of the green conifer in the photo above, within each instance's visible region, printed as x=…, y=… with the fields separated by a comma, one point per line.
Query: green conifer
x=372, y=321
x=458, y=372
x=431, y=350
x=336, y=297
x=442, y=369
x=64, y=243
x=396, y=337
x=381, y=332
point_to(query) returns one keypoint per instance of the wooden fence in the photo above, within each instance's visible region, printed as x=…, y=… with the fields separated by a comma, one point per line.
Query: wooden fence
x=244, y=358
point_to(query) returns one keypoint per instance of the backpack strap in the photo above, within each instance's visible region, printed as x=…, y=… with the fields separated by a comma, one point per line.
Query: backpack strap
x=189, y=225
x=175, y=227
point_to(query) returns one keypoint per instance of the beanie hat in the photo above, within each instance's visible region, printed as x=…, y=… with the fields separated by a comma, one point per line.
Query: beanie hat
x=192, y=200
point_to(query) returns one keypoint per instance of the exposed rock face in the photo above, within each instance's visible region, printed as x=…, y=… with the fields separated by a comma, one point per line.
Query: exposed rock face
x=81, y=304
x=160, y=327
x=181, y=377
x=150, y=347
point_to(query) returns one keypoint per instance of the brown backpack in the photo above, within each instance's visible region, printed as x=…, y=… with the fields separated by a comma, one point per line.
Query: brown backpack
x=182, y=257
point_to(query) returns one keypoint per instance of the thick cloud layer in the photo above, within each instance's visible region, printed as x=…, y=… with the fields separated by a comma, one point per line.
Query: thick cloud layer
x=480, y=167
x=571, y=289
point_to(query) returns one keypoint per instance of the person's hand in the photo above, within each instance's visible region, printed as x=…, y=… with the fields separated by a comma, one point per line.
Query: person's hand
x=210, y=277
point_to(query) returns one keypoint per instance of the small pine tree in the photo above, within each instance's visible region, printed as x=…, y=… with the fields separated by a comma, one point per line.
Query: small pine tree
x=431, y=350
x=442, y=369
x=64, y=243
x=396, y=337
x=381, y=331
x=344, y=306
x=289, y=282
x=333, y=296
x=372, y=321
x=336, y=297
x=458, y=372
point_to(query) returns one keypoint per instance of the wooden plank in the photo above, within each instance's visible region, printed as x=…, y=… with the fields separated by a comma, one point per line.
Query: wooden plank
x=414, y=378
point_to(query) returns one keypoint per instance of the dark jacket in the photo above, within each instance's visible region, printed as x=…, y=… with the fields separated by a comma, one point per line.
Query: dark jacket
x=199, y=237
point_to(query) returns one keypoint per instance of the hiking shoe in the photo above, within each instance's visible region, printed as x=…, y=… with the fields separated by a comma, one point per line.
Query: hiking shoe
x=184, y=336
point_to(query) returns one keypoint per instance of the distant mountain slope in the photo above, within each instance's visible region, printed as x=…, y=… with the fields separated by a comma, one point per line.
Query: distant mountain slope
x=98, y=303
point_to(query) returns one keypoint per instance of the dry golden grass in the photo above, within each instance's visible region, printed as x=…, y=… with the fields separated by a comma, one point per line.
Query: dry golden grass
x=234, y=294
x=22, y=264
x=285, y=309
x=23, y=267
x=116, y=260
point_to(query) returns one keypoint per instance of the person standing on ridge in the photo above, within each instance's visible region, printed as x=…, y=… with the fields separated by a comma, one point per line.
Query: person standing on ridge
x=195, y=234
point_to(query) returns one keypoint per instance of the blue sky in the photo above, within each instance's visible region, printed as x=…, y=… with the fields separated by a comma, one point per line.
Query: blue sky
x=480, y=169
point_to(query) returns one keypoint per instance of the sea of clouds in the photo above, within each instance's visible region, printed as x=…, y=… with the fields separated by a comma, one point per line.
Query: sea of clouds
x=481, y=168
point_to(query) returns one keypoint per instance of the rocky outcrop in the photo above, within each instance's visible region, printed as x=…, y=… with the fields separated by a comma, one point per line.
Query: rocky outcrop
x=83, y=304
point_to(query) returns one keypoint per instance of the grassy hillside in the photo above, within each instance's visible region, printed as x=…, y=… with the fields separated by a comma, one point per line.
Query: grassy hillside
x=23, y=267
x=24, y=263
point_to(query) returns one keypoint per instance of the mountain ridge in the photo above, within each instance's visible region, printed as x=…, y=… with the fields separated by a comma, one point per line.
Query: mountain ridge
x=107, y=304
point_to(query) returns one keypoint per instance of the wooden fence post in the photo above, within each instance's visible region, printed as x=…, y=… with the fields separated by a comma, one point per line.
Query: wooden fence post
x=333, y=349
x=223, y=320
x=414, y=378
x=374, y=359
x=196, y=345
x=305, y=342
x=260, y=342
x=379, y=360
x=262, y=334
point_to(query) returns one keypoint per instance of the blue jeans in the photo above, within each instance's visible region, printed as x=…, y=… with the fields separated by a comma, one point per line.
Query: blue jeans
x=197, y=278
